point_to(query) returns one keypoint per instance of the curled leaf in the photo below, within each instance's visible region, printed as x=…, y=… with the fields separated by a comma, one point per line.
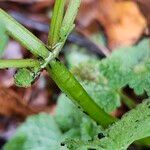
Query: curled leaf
x=24, y=78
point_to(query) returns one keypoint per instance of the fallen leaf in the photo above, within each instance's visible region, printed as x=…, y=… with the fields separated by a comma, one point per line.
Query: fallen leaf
x=123, y=22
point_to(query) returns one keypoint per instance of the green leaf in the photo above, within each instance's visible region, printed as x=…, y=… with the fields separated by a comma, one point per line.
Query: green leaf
x=39, y=132
x=69, y=18
x=67, y=114
x=88, y=129
x=118, y=67
x=73, y=133
x=130, y=66
x=3, y=39
x=96, y=85
x=140, y=78
x=88, y=70
x=25, y=77
x=133, y=126
x=126, y=66
x=72, y=117
x=73, y=122
x=105, y=97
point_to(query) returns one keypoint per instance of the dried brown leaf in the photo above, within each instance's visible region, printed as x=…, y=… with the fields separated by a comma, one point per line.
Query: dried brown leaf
x=12, y=105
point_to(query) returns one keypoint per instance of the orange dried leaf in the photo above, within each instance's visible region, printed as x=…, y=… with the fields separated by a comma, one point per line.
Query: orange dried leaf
x=123, y=22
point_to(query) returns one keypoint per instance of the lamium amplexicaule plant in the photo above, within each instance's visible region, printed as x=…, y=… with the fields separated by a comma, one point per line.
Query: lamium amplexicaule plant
x=82, y=120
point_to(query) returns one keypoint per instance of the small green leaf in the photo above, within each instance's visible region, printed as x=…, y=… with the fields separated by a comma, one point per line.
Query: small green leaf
x=39, y=132
x=24, y=78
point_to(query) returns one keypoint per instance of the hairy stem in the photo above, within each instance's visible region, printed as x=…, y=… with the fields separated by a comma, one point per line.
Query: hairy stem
x=19, y=63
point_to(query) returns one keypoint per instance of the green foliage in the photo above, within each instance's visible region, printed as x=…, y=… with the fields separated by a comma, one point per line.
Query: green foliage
x=139, y=72
x=72, y=119
x=42, y=132
x=133, y=126
x=91, y=73
x=61, y=24
x=39, y=132
x=87, y=71
x=23, y=78
x=118, y=68
x=72, y=87
x=56, y=22
x=124, y=67
x=71, y=116
x=68, y=21
x=105, y=97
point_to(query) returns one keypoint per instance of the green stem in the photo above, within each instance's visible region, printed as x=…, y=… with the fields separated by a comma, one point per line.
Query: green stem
x=18, y=63
x=69, y=18
x=69, y=85
x=21, y=34
x=56, y=22
x=127, y=101
x=57, y=70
